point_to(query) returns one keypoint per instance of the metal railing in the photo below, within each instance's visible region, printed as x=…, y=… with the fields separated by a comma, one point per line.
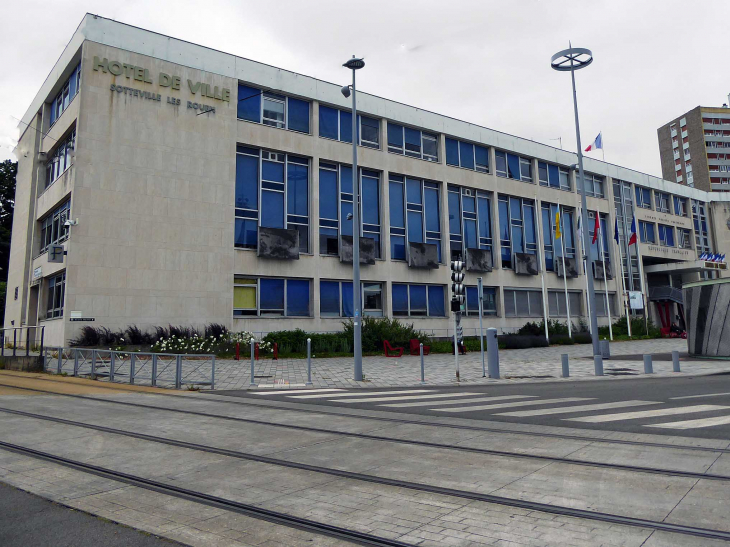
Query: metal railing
x=133, y=367
x=16, y=340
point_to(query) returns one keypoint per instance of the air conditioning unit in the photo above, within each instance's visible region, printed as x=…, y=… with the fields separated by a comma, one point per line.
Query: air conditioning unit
x=468, y=192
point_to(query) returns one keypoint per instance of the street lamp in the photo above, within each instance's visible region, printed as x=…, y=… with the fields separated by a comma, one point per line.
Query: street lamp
x=355, y=64
x=572, y=59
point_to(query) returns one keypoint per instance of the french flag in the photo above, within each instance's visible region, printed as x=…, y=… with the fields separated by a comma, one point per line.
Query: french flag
x=598, y=143
x=632, y=239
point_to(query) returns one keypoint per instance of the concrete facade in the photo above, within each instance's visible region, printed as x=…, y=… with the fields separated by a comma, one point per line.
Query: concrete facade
x=152, y=184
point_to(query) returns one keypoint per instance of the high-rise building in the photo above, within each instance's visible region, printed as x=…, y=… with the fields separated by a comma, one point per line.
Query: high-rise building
x=695, y=148
x=162, y=182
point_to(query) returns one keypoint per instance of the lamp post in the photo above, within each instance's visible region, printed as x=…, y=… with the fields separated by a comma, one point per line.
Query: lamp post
x=572, y=59
x=355, y=64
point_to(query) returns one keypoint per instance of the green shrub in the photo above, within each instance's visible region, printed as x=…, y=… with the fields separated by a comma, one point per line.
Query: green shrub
x=638, y=328
x=538, y=329
x=561, y=340
x=519, y=341
x=582, y=337
x=377, y=329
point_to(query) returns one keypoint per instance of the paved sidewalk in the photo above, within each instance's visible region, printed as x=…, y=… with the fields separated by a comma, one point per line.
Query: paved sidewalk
x=534, y=364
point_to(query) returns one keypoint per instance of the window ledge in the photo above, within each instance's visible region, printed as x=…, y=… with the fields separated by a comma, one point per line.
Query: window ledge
x=272, y=126
x=414, y=157
x=54, y=181
x=51, y=319
x=350, y=144
x=62, y=113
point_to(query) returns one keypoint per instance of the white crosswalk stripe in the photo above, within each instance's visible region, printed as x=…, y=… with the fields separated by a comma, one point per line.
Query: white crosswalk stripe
x=518, y=403
x=460, y=401
x=699, y=396
x=285, y=391
x=693, y=424
x=407, y=397
x=648, y=413
x=577, y=408
x=358, y=394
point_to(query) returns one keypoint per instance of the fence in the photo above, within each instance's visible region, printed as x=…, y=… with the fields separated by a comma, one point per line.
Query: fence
x=155, y=369
x=22, y=338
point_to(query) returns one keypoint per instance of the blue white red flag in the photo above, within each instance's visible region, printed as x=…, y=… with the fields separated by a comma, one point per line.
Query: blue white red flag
x=598, y=143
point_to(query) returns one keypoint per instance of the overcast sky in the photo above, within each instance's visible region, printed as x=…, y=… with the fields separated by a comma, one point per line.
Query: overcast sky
x=483, y=61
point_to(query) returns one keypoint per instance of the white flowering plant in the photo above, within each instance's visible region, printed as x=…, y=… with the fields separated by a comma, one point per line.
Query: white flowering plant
x=224, y=343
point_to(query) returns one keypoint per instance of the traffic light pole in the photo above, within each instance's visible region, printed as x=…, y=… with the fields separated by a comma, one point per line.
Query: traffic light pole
x=457, y=298
x=456, y=345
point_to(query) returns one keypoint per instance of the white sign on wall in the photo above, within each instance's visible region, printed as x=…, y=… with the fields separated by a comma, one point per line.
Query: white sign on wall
x=636, y=300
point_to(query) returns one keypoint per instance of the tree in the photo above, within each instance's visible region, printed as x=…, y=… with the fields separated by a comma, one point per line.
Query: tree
x=8, y=171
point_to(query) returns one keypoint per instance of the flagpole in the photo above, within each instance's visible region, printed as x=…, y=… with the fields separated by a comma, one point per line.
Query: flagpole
x=542, y=268
x=565, y=273
x=643, y=283
x=605, y=279
x=623, y=284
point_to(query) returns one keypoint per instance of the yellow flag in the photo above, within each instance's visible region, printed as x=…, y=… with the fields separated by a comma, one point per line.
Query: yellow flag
x=557, y=224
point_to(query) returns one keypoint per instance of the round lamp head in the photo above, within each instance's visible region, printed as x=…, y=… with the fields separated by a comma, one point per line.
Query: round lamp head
x=573, y=58
x=345, y=90
x=354, y=63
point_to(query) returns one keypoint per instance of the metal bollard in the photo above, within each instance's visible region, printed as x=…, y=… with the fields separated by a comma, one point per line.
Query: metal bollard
x=253, y=381
x=178, y=372
x=675, y=361
x=598, y=365
x=76, y=363
x=212, y=374
x=154, y=370
x=111, y=368
x=131, y=367
x=423, y=367
x=566, y=365
x=27, y=341
x=15, y=341
x=648, y=368
x=309, y=362
x=93, y=363
x=492, y=353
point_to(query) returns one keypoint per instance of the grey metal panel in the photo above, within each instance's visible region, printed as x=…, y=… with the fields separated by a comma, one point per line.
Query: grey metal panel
x=709, y=311
x=570, y=265
x=690, y=315
x=598, y=270
x=278, y=243
x=478, y=260
x=367, y=250
x=423, y=255
x=525, y=264
x=721, y=303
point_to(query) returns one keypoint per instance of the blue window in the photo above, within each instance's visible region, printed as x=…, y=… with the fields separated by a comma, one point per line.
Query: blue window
x=452, y=152
x=501, y=161
x=469, y=221
x=513, y=166
x=60, y=158
x=274, y=109
x=412, y=142
x=595, y=249
x=336, y=299
x=68, y=91
x=680, y=206
x=646, y=232
x=329, y=298
x=666, y=235
x=330, y=225
x=283, y=183
x=516, y=228
x=554, y=176
x=418, y=300
x=594, y=185
x=547, y=236
x=489, y=304
x=643, y=197
x=421, y=214
x=467, y=155
x=337, y=124
x=283, y=297
x=249, y=103
x=481, y=159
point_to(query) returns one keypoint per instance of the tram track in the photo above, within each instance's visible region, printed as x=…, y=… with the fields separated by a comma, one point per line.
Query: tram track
x=421, y=487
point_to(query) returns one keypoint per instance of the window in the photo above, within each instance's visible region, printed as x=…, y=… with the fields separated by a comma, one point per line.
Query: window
x=552, y=246
x=680, y=206
x=553, y=176
x=593, y=185
x=489, y=302
x=684, y=238
x=601, y=241
x=60, y=159
x=470, y=220
x=666, y=235
x=512, y=166
x=335, y=204
x=467, y=155
x=522, y=303
x=525, y=170
x=419, y=300
x=55, y=296
x=336, y=299
x=699, y=218
x=271, y=297
x=419, y=221
x=272, y=190
x=646, y=232
x=601, y=304
x=662, y=202
x=557, y=306
x=53, y=227
x=68, y=91
x=412, y=142
x=643, y=197
x=516, y=227
x=337, y=124
x=269, y=108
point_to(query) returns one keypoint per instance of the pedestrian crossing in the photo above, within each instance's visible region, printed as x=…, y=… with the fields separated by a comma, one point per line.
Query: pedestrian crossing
x=586, y=410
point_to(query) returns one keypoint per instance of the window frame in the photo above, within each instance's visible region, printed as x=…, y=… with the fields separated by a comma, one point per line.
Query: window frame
x=432, y=137
x=492, y=312
x=427, y=236
x=641, y=201
x=269, y=313
x=644, y=226
x=348, y=138
x=428, y=300
x=477, y=167
x=372, y=312
x=664, y=230
x=662, y=202
x=276, y=96
x=515, y=223
x=64, y=97
x=53, y=230
x=59, y=160
x=526, y=291
x=54, y=303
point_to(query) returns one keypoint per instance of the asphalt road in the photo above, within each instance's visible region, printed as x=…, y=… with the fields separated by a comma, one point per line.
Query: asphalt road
x=27, y=520
x=664, y=401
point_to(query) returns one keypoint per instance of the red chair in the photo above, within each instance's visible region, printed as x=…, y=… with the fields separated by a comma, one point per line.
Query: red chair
x=390, y=351
x=462, y=348
x=416, y=347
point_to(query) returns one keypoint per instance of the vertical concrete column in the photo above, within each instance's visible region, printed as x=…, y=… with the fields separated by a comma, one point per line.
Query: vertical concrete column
x=648, y=367
x=566, y=365
x=492, y=353
x=675, y=361
x=314, y=210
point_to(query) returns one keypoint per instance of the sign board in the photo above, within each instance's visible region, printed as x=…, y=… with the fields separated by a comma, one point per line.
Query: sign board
x=81, y=319
x=636, y=300
x=37, y=273
x=55, y=254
